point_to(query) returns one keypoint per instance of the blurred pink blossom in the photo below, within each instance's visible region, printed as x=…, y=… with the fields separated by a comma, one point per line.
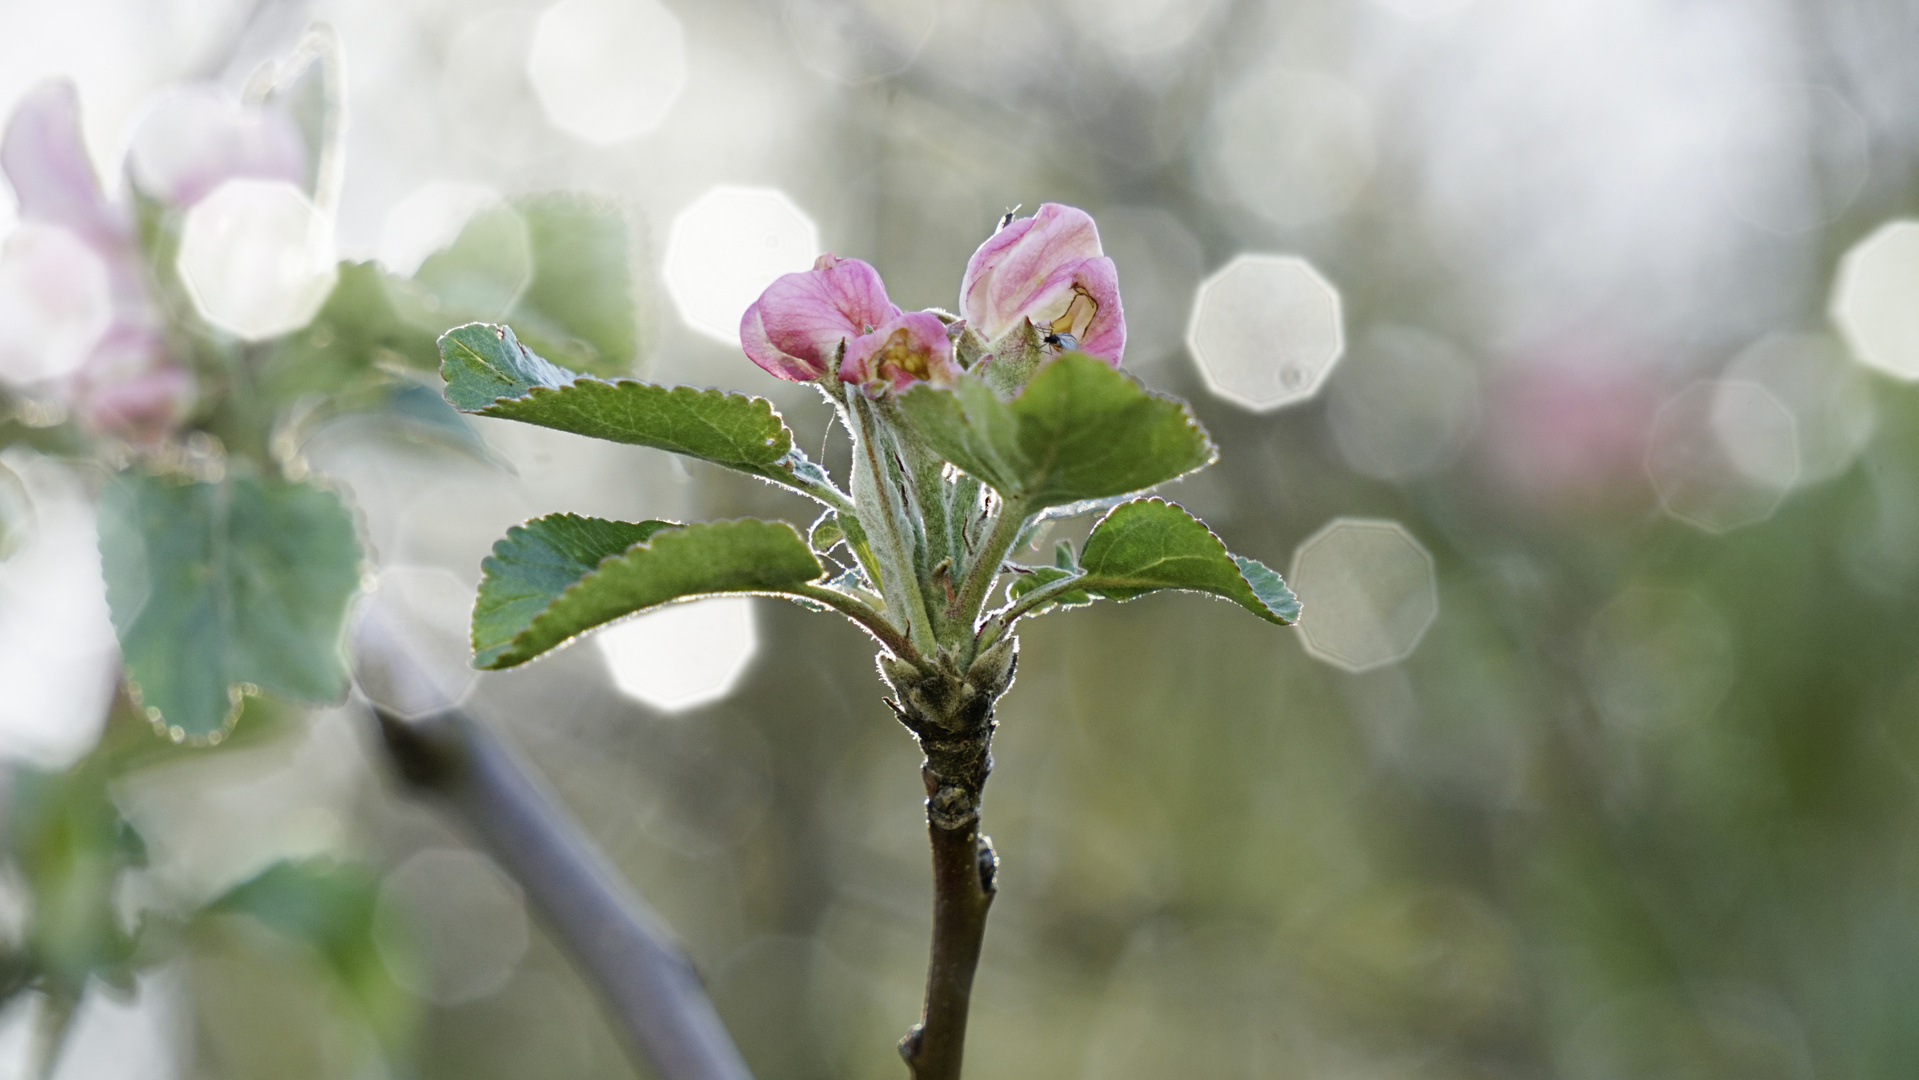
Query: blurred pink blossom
x=1047, y=269
x=114, y=373
x=1572, y=425
x=197, y=137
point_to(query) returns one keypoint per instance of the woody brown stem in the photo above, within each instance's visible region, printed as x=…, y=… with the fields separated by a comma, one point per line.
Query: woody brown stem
x=963, y=868
x=952, y=716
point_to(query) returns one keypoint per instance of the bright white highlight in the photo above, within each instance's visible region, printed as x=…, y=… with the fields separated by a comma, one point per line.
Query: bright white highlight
x=681, y=656
x=257, y=257
x=727, y=247
x=607, y=70
x=1265, y=331
x=1875, y=301
x=59, y=660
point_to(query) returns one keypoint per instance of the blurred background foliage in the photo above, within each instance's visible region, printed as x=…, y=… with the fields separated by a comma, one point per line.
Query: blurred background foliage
x=1625, y=788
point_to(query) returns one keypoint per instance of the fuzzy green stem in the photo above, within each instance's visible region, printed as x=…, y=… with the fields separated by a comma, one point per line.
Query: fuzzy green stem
x=985, y=569
x=887, y=522
x=1003, y=621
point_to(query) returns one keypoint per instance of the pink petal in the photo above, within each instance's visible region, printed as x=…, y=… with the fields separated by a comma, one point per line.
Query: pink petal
x=1105, y=335
x=903, y=350
x=45, y=157
x=1015, y=262
x=797, y=324
x=132, y=388
x=198, y=137
x=761, y=350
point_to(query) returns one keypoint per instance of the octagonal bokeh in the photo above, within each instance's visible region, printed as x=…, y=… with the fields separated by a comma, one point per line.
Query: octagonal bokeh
x=725, y=249
x=1369, y=591
x=1875, y=299
x=1265, y=331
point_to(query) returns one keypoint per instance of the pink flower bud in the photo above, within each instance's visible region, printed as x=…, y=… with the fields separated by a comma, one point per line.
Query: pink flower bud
x=1047, y=269
x=904, y=350
x=794, y=330
x=197, y=138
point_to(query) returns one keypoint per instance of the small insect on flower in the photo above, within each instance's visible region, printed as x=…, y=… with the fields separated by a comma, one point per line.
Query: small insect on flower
x=1007, y=218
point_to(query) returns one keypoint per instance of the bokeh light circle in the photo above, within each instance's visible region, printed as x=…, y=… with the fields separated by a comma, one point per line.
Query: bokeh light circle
x=859, y=40
x=681, y=656
x=1723, y=454
x=1875, y=299
x=607, y=70
x=1293, y=147
x=1369, y=591
x=725, y=249
x=1403, y=405
x=257, y=258
x=1829, y=397
x=450, y=925
x=1657, y=658
x=1265, y=331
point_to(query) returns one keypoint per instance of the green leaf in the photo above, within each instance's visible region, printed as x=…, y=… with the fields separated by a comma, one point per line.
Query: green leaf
x=826, y=533
x=217, y=588
x=559, y=576
x=1080, y=430
x=538, y=561
x=490, y=373
x=1152, y=544
x=1042, y=576
x=578, y=308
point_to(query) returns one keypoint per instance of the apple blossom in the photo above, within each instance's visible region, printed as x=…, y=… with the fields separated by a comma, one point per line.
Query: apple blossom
x=1048, y=270
x=796, y=327
x=908, y=348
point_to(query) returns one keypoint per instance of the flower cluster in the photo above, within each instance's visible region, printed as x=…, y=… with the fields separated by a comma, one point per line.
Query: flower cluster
x=1037, y=282
x=82, y=324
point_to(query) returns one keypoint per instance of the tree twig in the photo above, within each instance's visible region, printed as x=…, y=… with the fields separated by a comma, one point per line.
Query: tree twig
x=952, y=717
x=615, y=940
x=963, y=868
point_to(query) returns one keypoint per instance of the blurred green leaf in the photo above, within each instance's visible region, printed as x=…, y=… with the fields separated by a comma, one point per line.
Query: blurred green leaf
x=490, y=373
x=357, y=331
x=479, y=275
x=1080, y=430
x=1151, y=544
x=70, y=845
x=218, y=586
x=330, y=907
x=555, y=577
x=578, y=305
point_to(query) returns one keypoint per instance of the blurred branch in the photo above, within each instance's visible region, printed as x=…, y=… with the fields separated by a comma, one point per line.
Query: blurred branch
x=615, y=940
x=50, y=1032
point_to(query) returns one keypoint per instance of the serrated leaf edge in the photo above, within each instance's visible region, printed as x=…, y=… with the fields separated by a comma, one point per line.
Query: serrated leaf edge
x=1223, y=550
x=501, y=662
